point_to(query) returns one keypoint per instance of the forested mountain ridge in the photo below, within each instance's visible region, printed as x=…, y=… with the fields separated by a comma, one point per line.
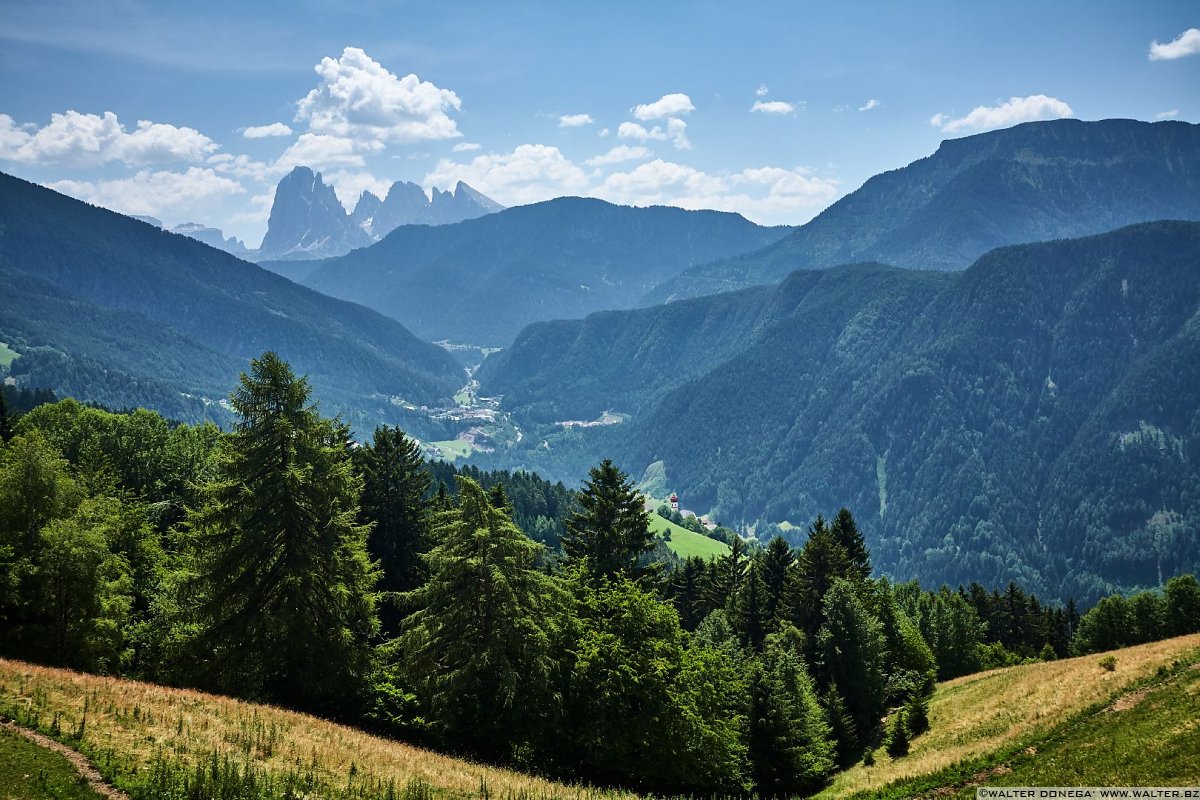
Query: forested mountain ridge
x=1036, y=417
x=1033, y=182
x=94, y=298
x=482, y=280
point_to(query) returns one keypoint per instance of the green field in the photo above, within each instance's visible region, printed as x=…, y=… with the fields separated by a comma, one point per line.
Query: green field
x=685, y=543
x=454, y=448
x=7, y=355
x=30, y=772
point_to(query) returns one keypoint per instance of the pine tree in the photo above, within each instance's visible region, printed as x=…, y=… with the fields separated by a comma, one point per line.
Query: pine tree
x=393, y=499
x=749, y=611
x=846, y=531
x=478, y=647
x=612, y=529
x=776, y=565
x=897, y=746
x=726, y=575
x=822, y=561
x=282, y=604
x=852, y=650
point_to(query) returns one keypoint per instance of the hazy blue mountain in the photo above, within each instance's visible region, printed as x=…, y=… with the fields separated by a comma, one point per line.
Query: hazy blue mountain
x=1035, y=417
x=482, y=280
x=213, y=237
x=107, y=308
x=309, y=222
x=1032, y=182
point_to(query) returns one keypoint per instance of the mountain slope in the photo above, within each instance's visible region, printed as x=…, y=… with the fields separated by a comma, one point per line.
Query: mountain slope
x=1036, y=417
x=482, y=280
x=182, y=317
x=1032, y=182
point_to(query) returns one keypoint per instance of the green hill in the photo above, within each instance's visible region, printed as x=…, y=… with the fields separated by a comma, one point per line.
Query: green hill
x=1032, y=182
x=1033, y=418
x=481, y=281
x=111, y=309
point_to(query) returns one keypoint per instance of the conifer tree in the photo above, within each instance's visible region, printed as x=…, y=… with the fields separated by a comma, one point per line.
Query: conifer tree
x=822, y=561
x=845, y=531
x=393, y=499
x=776, y=566
x=6, y=426
x=898, y=742
x=853, y=650
x=611, y=529
x=478, y=647
x=281, y=606
x=726, y=575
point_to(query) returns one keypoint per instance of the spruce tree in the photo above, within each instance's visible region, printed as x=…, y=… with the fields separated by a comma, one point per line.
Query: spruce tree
x=846, y=531
x=852, y=650
x=897, y=745
x=611, y=529
x=776, y=566
x=822, y=561
x=478, y=647
x=395, y=483
x=282, y=605
x=726, y=575
x=6, y=426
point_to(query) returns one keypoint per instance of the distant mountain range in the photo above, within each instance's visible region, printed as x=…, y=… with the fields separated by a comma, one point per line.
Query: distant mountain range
x=308, y=221
x=106, y=308
x=1032, y=182
x=213, y=237
x=480, y=281
x=1035, y=417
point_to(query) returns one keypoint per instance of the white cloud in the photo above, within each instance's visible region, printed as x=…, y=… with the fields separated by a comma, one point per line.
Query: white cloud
x=1174, y=112
x=762, y=90
x=773, y=107
x=263, y=131
x=574, y=120
x=675, y=132
x=767, y=194
x=239, y=166
x=1015, y=110
x=349, y=186
x=530, y=173
x=89, y=140
x=358, y=98
x=466, y=147
x=604, y=132
x=669, y=105
x=872, y=103
x=320, y=151
x=1185, y=44
x=161, y=194
x=618, y=155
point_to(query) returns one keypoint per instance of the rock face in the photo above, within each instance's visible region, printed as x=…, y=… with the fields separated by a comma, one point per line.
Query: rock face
x=308, y=221
x=213, y=237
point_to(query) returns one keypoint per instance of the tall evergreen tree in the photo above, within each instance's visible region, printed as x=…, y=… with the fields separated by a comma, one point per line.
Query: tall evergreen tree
x=846, y=531
x=822, y=561
x=395, y=483
x=478, y=647
x=611, y=529
x=776, y=566
x=281, y=605
x=726, y=575
x=853, y=651
x=6, y=426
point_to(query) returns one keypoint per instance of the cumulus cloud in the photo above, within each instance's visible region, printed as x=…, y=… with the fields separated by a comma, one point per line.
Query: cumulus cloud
x=349, y=186
x=575, y=120
x=263, y=131
x=1015, y=110
x=773, y=107
x=159, y=193
x=669, y=105
x=872, y=103
x=359, y=99
x=239, y=166
x=762, y=90
x=1185, y=44
x=89, y=140
x=618, y=155
x=321, y=151
x=530, y=173
x=1174, y=112
x=467, y=147
x=767, y=194
x=675, y=132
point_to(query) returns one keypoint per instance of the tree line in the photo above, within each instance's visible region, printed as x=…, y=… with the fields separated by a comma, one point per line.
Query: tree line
x=489, y=614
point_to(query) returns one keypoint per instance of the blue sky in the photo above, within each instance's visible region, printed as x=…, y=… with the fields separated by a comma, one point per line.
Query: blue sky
x=191, y=112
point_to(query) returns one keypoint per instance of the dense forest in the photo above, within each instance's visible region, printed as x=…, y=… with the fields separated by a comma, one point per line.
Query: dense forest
x=1035, y=418
x=280, y=561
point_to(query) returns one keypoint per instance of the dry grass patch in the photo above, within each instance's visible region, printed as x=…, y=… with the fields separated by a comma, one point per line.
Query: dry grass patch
x=982, y=713
x=128, y=725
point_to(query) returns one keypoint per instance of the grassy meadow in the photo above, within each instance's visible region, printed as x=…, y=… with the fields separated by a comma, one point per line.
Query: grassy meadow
x=685, y=543
x=153, y=741
x=993, y=712
x=30, y=772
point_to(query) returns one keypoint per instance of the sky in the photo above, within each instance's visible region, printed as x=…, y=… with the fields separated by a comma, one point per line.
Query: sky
x=191, y=112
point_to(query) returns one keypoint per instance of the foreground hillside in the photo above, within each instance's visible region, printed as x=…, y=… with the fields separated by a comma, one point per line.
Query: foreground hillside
x=1033, y=418
x=979, y=722
x=142, y=737
x=109, y=309
x=481, y=281
x=147, y=738
x=1032, y=182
